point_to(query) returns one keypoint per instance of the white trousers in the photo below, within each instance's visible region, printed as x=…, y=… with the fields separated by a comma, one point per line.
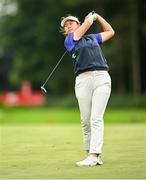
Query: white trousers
x=92, y=91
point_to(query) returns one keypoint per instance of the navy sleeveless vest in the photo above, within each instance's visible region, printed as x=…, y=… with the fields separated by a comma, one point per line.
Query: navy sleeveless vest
x=87, y=55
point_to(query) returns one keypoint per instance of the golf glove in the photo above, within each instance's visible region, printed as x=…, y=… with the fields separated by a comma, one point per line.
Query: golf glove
x=92, y=16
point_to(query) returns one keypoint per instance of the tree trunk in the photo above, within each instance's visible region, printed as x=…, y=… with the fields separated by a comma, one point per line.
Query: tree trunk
x=136, y=80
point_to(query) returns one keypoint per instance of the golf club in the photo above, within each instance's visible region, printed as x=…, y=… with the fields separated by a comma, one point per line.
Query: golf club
x=43, y=86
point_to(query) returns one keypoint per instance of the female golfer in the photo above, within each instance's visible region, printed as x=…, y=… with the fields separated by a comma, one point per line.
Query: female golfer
x=92, y=83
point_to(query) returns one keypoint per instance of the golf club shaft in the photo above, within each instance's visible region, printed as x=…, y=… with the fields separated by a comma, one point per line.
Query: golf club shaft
x=54, y=68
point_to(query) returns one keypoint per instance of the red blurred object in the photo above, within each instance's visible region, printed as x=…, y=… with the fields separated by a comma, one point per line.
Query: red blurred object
x=26, y=97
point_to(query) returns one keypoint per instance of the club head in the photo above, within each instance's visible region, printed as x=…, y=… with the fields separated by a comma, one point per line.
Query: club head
x=43, y=90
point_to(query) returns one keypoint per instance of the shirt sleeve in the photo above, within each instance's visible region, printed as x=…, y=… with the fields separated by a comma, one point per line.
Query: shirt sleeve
x=69, y=42
x=98, y=38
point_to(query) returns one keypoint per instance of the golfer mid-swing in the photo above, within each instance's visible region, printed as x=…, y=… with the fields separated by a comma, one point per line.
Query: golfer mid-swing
x=92, y=83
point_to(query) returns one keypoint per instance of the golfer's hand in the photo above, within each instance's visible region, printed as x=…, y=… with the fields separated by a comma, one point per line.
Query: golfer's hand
x=95, y=16
x=92, y=16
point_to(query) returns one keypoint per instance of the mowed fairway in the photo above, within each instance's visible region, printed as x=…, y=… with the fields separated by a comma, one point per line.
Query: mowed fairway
x=49, y=151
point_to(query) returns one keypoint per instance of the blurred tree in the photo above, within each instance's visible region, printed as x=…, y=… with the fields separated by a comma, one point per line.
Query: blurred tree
x=31, y=37
x=124, y=52
x=31, y=44
x=142, y=34
x=135, y=29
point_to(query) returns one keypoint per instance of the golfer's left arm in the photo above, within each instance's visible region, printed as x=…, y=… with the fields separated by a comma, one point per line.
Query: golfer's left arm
x=108, y=31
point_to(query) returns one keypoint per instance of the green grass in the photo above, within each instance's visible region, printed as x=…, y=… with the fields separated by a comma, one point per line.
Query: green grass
x=49, y=115
x=49, y=151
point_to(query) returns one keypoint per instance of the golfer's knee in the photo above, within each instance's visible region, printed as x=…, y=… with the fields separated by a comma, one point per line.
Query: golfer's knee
x=85, y=124
x=96, y=121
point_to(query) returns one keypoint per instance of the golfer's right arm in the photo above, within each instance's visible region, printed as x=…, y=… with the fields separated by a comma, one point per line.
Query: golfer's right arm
x=83, y=28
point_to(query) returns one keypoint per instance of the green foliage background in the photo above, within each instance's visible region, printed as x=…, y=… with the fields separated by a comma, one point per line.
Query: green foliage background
x=30, y=43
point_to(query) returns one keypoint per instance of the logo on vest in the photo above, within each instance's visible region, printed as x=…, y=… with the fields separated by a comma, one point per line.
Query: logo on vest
x=73, y=56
